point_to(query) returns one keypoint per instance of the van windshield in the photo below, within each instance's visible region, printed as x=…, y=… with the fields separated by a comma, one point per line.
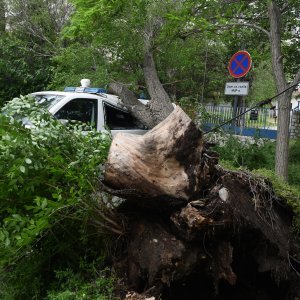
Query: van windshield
x=48, y=100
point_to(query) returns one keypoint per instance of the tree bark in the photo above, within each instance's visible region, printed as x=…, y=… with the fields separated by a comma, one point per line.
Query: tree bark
x=2, y=17
x=135, y=107
x=160, y=104
x=282, y=143
x=170, y=160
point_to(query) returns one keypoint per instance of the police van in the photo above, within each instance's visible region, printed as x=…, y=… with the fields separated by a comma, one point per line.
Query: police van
x=91, y=106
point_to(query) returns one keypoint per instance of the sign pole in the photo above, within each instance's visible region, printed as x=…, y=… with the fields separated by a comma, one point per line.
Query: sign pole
x=235, y=105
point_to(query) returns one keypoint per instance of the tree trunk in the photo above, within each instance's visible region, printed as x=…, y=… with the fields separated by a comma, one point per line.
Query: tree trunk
x=170, y=160
x=282, y=143
x=160, y=104
x=135, y=107
x=2, y=17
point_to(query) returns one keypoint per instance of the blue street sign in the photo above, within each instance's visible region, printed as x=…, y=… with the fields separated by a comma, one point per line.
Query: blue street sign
x=240, y=64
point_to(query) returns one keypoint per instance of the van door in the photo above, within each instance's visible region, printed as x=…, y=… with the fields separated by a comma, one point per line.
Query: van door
x=119, y=120
x=81, y=111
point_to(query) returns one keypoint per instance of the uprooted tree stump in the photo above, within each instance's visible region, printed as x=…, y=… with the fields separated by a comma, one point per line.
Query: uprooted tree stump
x=195, y=230
x=170, y=161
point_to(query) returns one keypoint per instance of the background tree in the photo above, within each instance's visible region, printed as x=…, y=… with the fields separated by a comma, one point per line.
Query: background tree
x=138, y=37
x=20, y=71
x=28, y=44
x=263, y=85
x=39, y=22
x=276, y=24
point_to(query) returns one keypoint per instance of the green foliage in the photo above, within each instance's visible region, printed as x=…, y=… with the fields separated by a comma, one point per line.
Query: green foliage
x=30, y=41
x=76, y=62
x=20, y=72
x=258, y=154
x=263, y=86
x=48, y=175
x=193, y=66
x=43, y=170
x=294, y=154
x=109, y=39
x=294, y=162
x=37, y=277
x=251, y=154
x=23, y=280
x=87, y=283
x=113, y=30
x=38, y=23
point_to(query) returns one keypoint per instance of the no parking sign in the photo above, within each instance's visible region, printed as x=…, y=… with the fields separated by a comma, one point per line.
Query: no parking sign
x=240, y=64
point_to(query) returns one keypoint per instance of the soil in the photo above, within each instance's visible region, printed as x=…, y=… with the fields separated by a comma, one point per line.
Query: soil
x=232, y=243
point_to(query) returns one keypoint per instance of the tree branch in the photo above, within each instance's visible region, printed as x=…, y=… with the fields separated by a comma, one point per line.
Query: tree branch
x=130, y=101
x=224, y=26
x=296, y=78
x=128, y=98
x=284, y=7
x=250, y=25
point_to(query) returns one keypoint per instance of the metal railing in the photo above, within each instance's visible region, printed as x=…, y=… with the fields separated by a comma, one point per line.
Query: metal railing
x=263, y=118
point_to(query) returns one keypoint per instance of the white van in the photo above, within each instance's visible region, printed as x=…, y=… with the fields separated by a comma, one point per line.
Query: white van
x=90, y=106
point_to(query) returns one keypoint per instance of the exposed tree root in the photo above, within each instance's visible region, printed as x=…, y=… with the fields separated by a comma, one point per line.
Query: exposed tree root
x=231, y=242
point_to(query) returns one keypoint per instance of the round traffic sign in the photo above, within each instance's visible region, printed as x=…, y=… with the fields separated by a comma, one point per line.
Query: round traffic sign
x=240, y=64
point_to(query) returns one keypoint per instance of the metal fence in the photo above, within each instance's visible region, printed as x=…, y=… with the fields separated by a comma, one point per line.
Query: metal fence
x=261, y=118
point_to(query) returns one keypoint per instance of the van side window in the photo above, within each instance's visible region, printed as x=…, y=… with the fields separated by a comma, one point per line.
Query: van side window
x=117, y=119
x=82, y=110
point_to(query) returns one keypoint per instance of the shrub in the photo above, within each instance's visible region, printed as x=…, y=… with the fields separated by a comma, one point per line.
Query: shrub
x=77, y=286
x=48, y=176
x=294, y=155
x=251, y=154
x=258, y=154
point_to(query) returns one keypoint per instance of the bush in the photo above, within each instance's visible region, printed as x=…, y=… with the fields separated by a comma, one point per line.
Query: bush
x=21, y=72
x=251, y=154
x=258, y=154
x=294, y=155
x=294, y=162
x=48, y=176
x=77, y=286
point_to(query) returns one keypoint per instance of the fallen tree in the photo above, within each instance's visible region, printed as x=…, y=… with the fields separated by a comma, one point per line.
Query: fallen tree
x=193, y=228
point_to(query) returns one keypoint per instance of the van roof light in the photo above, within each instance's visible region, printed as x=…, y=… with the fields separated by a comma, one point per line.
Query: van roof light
x=85, y=90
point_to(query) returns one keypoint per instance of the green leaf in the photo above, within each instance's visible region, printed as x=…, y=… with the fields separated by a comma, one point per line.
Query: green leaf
x=7, y=242
x=2, y=236
x=22, y=169
x=44, y=203
x=28, y=161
